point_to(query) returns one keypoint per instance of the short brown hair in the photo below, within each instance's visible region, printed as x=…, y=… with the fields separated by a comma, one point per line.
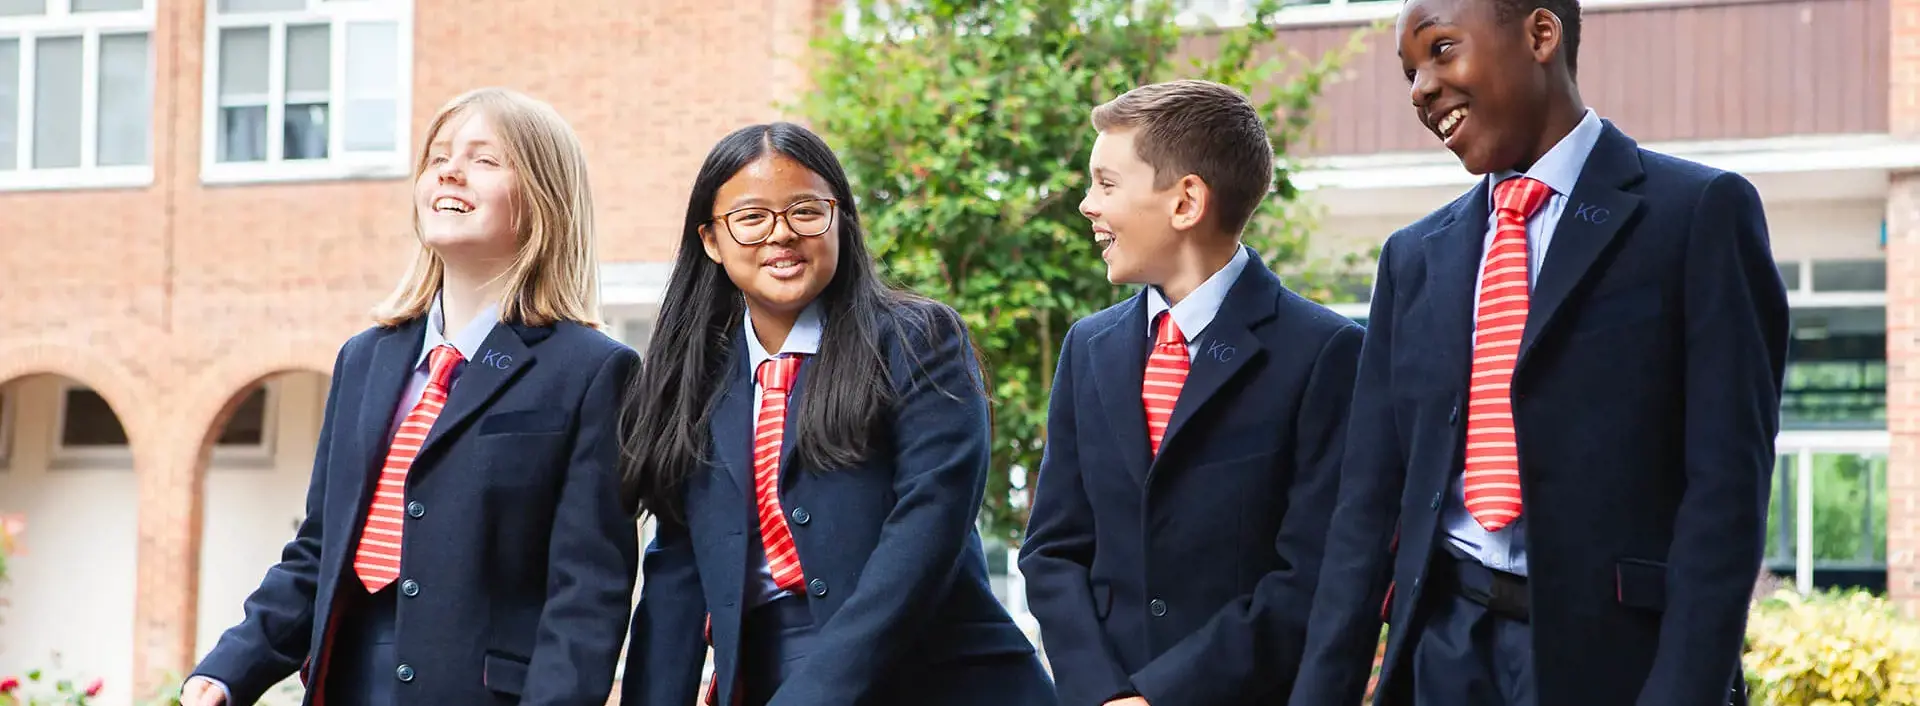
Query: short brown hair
x=1202, y=128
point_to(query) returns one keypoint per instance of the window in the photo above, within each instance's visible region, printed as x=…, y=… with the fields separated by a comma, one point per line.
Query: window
x=88, y=431
x=76, y=93
x=1827, y=524
x=247, y=438
x=305, y=89
x=1836, y=374
x=1850, y=275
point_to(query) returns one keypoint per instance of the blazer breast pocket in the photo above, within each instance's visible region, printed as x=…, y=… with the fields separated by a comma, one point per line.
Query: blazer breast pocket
x=524, y=421
x=1618, y=307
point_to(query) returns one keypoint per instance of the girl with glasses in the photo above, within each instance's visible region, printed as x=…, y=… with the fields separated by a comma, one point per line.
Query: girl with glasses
x=814, y=446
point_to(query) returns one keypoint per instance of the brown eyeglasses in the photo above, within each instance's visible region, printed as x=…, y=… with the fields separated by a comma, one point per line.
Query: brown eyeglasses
x=754, y=224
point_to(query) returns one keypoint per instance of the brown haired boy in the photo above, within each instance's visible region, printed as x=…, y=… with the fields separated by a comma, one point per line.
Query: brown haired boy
x=1194, y=434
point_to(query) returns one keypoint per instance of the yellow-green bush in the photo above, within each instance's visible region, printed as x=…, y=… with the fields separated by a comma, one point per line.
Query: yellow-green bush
x=1831, y=648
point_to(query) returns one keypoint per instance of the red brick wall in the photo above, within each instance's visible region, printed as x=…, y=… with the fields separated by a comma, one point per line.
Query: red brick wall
x=172, y=298
x=1903, y=315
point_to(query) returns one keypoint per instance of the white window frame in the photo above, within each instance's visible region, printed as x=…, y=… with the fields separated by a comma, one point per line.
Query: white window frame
x=253, y=455
x=60, y=22
x=85, y=456
x=339, y=164
x=1804, y=445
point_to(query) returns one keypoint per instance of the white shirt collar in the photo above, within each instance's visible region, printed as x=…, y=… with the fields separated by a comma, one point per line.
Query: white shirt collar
x=804, y=339
x=1560, y=167
x=467, y=340
x=1195, y=312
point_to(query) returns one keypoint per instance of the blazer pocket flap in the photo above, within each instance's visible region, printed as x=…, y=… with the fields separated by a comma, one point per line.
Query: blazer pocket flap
x=524, y=421
x=1641, y=583
x=504, y=674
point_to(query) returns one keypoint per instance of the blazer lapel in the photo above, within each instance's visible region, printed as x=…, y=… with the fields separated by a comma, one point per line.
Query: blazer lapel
x=503, y=356
x=1226, y=345
x=1120, y=355
x=732, y=424
x=393, y=359
x=1453, y=269
x=1595, y=212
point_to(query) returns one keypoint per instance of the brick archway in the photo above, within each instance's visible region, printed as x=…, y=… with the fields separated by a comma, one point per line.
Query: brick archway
x=170, y=610
x=116, y=384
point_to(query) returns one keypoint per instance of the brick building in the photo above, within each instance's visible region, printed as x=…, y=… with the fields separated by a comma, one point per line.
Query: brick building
x=176, y=275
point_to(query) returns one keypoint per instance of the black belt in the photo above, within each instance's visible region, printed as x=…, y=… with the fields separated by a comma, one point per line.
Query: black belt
x=1502, y=593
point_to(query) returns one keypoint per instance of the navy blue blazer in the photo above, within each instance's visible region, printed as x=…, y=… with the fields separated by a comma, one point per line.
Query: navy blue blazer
x=1646, y=398
x=1186, y=577
x=518, y=561
x=895, y=573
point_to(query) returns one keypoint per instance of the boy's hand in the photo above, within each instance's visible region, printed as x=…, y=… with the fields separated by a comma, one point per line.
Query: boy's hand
x=1129, y=701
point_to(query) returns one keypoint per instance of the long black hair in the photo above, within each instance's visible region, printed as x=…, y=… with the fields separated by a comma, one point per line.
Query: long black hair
x=850, y=397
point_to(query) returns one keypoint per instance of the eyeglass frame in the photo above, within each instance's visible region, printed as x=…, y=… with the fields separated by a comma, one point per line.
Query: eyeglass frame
x=833, y=212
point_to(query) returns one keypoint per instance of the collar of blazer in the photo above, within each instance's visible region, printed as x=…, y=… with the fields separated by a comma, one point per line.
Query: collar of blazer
x=1604, y=201
x=1220, y=351
x=506, y=353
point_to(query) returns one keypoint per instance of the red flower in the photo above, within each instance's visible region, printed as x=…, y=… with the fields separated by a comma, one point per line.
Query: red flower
x=94, y=688
x=8, y=684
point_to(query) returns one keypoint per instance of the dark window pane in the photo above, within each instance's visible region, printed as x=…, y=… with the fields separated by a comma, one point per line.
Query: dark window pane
x=1850, y=275
x=247, y=427
x=90, y=422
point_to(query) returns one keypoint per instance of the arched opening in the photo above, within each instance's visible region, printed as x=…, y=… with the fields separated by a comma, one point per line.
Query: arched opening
x=253, y=497
x=66, y=469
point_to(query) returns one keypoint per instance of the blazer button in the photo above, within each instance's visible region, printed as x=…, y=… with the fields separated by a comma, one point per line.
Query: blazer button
x=410, y=588
x=1157, y=607
x=1453, y=417
x=416, y=510
x=800, y=516
x=1435, y=505
x=404, y=672
x=818, y=587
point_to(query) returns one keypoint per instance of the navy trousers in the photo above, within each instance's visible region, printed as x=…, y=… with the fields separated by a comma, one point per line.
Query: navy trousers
x=1469, y=654
x=776, y=639
x=363, y=668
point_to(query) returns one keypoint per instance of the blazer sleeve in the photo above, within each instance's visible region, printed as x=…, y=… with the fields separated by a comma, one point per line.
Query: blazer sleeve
x=1057, y=558
x=668, y=647
x=592, y=553
x=1242, y=652
x=1344, y=627
x=1735, y=336
x=275, y=637
x=940, y=460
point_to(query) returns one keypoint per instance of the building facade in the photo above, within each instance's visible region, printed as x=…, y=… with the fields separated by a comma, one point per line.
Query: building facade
x=201, y=199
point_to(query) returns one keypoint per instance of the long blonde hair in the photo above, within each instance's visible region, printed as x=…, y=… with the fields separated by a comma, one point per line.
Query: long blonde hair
x=556, y=275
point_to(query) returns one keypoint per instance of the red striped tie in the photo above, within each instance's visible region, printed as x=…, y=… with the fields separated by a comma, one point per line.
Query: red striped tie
x=1166, y=374
x=377, y=561
x=776, y=379
x=1492, y=479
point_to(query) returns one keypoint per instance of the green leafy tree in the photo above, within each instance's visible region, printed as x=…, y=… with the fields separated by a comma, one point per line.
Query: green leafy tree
x=964, y=127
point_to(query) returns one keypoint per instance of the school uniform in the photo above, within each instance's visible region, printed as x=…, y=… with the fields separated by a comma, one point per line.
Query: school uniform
x=1191, y=463
x=463, y=540
x=862, y=586
x=1564, y=419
